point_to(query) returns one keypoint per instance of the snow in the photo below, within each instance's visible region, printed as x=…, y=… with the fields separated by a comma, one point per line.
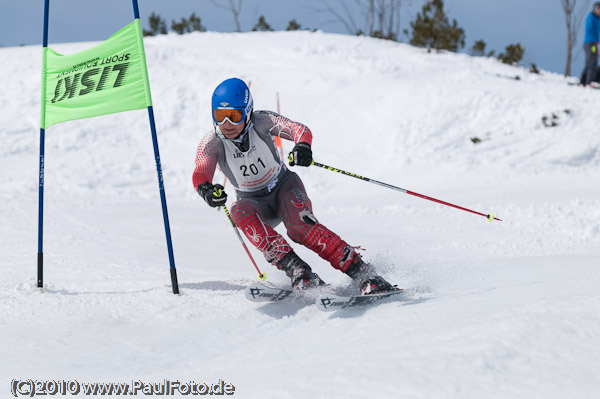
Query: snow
x=499, y=310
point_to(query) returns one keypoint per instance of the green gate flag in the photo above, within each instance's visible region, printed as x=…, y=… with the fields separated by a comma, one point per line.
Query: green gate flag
x=110, y=77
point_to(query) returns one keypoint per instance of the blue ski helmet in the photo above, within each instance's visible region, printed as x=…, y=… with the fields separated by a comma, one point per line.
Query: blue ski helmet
x=232, y=94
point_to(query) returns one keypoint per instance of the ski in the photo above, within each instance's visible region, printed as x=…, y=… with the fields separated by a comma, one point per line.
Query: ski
x=331, y=302
x=328, y=302
x=258, y=292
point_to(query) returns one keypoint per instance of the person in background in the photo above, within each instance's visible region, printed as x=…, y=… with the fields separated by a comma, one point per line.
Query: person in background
x=590, y=45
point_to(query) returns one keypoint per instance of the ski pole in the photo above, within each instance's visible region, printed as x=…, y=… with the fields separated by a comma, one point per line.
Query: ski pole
x=261, y=276
x=489, y=216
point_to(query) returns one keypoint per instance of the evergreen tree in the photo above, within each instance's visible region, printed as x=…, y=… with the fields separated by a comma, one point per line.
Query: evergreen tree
x=432, y=29
x=181, y=27
x=293, y=25
x=196, y=23
x=158, y=26
x=261, y=25
x=512, y=54
x=188, y=25
x=478, y=49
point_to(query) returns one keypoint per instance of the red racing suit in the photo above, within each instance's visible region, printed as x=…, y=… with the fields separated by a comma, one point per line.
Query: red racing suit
x=267, y=192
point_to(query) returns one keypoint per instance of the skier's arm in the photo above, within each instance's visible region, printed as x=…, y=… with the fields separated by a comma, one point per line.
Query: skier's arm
x=289, y=130
x=300, y=134
x=206, y=161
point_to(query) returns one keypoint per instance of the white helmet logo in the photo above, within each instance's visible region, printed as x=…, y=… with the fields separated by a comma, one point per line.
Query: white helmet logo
x=224, y=104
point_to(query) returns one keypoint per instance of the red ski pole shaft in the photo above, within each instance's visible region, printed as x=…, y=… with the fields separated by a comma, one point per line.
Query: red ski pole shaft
x=489, y=216
x=261, y=276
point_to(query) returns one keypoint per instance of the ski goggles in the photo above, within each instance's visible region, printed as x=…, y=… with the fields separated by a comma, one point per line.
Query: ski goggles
x=234, y=116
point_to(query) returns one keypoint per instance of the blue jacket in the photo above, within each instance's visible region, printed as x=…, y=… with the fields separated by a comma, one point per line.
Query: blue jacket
x=592, y=28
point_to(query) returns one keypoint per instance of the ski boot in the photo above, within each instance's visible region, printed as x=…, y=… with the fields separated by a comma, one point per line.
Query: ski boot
x=299, y=272
x=367, y=280
x=376, y=285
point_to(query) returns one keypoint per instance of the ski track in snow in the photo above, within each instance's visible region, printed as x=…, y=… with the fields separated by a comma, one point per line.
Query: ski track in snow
x=498, y=310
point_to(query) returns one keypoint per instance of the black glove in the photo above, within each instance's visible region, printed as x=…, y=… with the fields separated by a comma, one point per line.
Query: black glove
x=212, y=194
x=301, y=155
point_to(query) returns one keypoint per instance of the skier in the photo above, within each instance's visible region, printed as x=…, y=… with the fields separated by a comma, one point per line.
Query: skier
x=268, y=192
x=590, y=45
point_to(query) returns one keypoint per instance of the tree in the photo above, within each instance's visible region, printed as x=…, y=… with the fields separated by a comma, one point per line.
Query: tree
x=380, y=18
x=158, y=26
x=293, y=25
x=478, y=49
x=196, y=23
x=512, y=54
x=387, y=15
x=261, y=25
x=573, y=21
x=235, y=11
x=180, y=27
x=432, y=29
x=188, y=25
x=346, y=17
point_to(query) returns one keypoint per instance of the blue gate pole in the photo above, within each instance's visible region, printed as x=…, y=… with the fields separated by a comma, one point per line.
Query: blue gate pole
x=40, y=257
x=163, y=200
x=161, y=186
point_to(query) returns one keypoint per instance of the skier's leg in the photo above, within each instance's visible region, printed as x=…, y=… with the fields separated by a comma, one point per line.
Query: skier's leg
x=591, y=62
x=295, y=211
x=246, y=214
x=594, y=68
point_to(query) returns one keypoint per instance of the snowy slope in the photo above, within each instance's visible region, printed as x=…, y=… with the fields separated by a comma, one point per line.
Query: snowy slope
x=501, y=310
